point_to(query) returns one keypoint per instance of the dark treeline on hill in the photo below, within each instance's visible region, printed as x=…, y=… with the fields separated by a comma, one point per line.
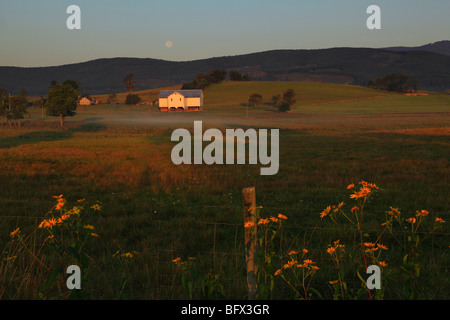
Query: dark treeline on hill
x=203, y=80
x=395, y=82
x=356, y=66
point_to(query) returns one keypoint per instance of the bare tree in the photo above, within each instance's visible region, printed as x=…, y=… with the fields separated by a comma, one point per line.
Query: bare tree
x=129, y=82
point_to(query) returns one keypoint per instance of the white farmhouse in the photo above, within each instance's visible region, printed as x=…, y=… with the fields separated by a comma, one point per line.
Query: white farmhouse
x=180, y=100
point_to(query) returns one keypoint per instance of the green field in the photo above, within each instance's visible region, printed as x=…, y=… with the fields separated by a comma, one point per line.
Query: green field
x=120, y=156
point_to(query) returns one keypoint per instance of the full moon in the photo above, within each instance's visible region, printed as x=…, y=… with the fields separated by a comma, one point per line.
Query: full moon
x=169, y=44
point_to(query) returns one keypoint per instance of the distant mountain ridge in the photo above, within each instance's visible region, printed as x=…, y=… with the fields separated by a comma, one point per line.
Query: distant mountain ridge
x=442, y=47
x=335, y=65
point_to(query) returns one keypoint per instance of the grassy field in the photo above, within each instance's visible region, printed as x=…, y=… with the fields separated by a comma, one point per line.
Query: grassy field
x=120, y=155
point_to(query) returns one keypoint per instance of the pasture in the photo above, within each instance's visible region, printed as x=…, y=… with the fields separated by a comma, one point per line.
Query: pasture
x=119, y=155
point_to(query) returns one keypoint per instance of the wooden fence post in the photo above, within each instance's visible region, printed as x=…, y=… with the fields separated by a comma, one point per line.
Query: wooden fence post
x=249, y=204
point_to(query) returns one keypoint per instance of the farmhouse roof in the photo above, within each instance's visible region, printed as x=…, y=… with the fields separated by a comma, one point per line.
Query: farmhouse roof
x=185, y=93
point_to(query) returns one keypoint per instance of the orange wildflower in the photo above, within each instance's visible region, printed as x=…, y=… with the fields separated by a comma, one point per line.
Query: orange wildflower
x=249, y=224
x=290, y=264
x=325, y=212
x=61, y=203
x=293, y=252
x=350, y=186
x=412, y=220
x=333, y=282
x=263, y=221
x=308, y=261
x=278, y=272
x=12, y=234
x=336, y=208
x=382, y=246
x=439, y=220
x=357, y=195
x=422, y=213
x=281, y=216
x=48, y=223
x=382, y=264
x=393, y=211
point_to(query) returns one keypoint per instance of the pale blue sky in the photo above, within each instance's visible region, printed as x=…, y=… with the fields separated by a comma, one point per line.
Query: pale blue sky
x=34, y=33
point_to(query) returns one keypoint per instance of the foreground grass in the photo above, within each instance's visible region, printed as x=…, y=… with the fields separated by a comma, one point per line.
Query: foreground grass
x=120, y=156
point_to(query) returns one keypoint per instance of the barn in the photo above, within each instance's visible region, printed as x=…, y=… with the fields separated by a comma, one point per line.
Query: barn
x=181, y=100
x=84, y=102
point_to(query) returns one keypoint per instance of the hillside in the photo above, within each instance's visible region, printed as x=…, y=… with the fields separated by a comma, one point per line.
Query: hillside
x=337, y=65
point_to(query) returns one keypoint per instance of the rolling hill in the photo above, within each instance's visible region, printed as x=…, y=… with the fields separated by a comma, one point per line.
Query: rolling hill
x=336, y=65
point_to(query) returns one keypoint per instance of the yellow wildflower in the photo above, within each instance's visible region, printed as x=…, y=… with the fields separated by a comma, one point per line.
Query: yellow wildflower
x=89, y=227
x=96, y=207
x=127, y=255
x=95, y=235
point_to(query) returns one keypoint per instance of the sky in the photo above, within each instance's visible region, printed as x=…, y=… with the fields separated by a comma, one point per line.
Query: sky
x=34, y=33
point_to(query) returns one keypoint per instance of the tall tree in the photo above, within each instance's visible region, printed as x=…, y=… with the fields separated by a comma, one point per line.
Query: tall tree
x=4, y=104
x=289, y=97
x=19, y=105
x=255, y=99
x=74, y=83
x=62, y=101
x=129, y=82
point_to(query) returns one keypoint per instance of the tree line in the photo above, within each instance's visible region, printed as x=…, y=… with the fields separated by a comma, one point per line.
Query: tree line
x=204, y=80
x=283, y=102
x=395, y=82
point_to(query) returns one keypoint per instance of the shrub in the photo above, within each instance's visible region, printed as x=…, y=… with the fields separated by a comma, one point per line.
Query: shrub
x=132, y=99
